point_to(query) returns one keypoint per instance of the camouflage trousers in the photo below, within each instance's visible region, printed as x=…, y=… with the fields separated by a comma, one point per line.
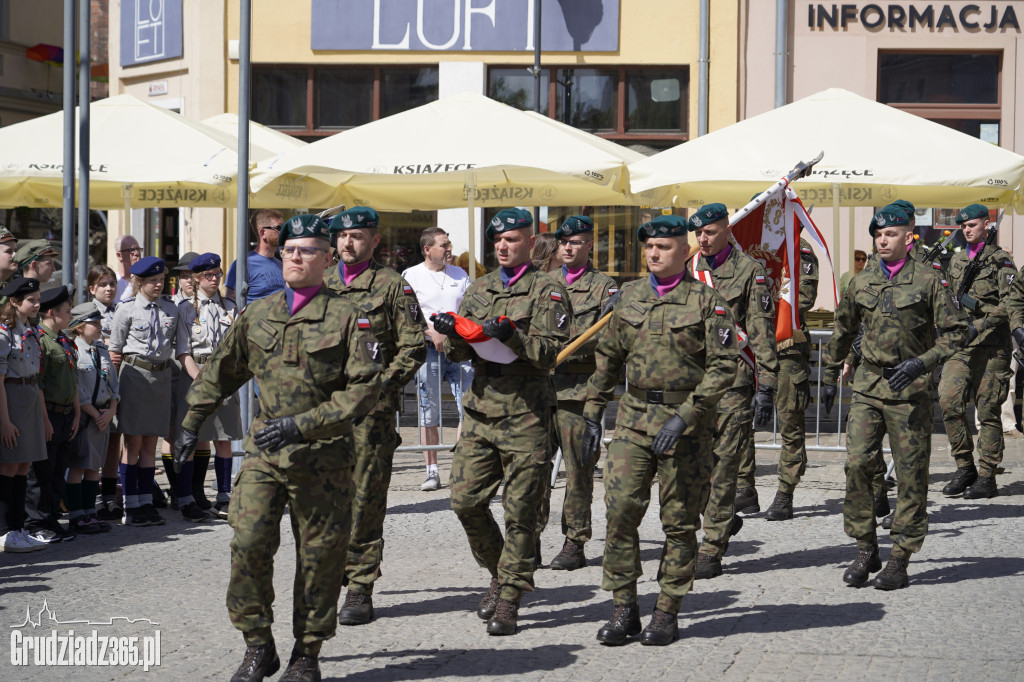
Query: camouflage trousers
x=683, y=482
x=982, y=375
x=908, y=424
x=791, y=401
x=735, y=427
x=319, y=499
x=515, y=448
x=579, y=483
x=375, y=439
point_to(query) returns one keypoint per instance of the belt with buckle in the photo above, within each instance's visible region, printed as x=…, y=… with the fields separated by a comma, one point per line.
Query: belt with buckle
x=886, y=372
x=202, y=359
x=656, y=397
x=60, y=409
x=514, y=369
x=136, y=361
x=21, y=381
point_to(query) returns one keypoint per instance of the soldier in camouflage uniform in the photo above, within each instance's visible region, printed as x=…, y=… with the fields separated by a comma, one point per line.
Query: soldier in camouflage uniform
x=317, y=370
x=899, y=304
x=743, y=283
x=980, y=372
x=676, y=339
x=390, y=305
x=509, y=412
x=589, y=290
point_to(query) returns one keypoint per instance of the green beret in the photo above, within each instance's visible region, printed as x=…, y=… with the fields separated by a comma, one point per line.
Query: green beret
x=905, y=206
x=890, y=216
x=357, y=216
x=663, y=226
x=707, y=214
x=31, y=250
x=508, y=219
x=970, y=213
x=574, y=225
x=302, y=226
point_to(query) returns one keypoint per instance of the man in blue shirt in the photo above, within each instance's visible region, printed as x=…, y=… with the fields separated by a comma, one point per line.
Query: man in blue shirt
x=263, y=267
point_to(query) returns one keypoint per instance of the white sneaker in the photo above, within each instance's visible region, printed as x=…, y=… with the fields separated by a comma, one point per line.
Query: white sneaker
x=433, y=482
x=14, y=541
x=35, y=544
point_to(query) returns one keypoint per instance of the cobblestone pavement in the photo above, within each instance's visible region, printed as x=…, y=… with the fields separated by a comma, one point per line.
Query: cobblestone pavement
x=780, y=611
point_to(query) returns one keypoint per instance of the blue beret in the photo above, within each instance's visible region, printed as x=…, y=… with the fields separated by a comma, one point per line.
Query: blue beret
x=302, y=226
x=51, y=298
x=970, y=213
x=85, y=312
x=149, y=267
x=905, y=206
x=508, y=219
x=20, y=287
x=204, y=262
x=663, y=226
x=707, y=214
x=357, y=216
x=890, y=216
x=574, y=225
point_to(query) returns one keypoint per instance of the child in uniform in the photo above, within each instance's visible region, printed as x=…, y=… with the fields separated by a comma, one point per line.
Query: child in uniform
x=102, y=283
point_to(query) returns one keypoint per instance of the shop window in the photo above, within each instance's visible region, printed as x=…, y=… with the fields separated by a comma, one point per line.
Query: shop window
x=344, y=99
x=587, y=98
x=404, y=89
x=515, y=88
x=279, y=97
x=655, y=101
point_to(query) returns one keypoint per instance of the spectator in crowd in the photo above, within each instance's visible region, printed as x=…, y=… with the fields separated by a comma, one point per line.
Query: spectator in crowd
x=128, y=252
x=463, y=262
x=263, y=267
x=544, y=255
x=859, y=259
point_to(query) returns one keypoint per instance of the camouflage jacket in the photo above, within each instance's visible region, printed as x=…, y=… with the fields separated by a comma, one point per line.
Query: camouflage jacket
x=808, y=295
x=540, y=308
x=1014, y=303
x=744, y=285
x=317, y=366
x=588, y=294
x=900, y=318
x=683, y=341
x=991, y=289
x=389, y=303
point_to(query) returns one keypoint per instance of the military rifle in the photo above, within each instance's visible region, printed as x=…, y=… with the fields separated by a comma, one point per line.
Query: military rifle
x=974, y=266
x=940, y=247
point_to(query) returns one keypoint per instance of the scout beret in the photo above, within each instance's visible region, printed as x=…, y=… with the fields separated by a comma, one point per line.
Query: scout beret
x=51, y=298
x=20, y=287
x=890, y=216
x=185, y=262
x=149, y=266
x=904, y=206
x=574, y=224
x=663, y=226
x=84, y=312
x=304, y=226
x=6, y=236
x=204, y=262
x=508, y=219
x=33, y=249
x=357, y=216
x=967, y=213
x=707, y=214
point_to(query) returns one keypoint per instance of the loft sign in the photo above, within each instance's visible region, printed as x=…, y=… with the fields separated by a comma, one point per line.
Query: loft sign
x=913, y=17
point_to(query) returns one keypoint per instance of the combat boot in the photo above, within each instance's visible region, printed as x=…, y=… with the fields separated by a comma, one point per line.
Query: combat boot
x=259, y=662
x=707, y=567
x=538, y=562
x=887, y=521
x=625, y=623
x=781, y=508
x=357, y=609
x=746, y=501
x=893, y=576
x=964, y=477
x=486, y=608
x=503, y=622
x=662, y=630
x=302, y=668
x=867, y=562
x=882, y=503
x=570, y=558
x=983, y=488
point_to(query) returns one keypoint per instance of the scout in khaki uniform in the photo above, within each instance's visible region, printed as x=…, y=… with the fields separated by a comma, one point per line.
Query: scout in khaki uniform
x=899, y=304
x=743, y=283
x=35, y=258
x=980, y=372
x=676, y=339
x=509, y=412
x=317, y=371
x=388, y=302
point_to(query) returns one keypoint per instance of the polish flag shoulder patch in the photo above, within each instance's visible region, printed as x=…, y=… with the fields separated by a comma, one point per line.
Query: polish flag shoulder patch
x=363, y=323
x=719, y=310
x=555, y=296
x=759, y=279
x=804, y=250
x=944, y=283
x=612, y=292
x=407, y=289
x=937, y=265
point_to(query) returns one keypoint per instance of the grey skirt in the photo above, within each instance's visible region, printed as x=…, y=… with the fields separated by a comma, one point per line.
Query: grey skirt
x=90, y=445
x=145, y=407
x=224, y=424
x=26, y=413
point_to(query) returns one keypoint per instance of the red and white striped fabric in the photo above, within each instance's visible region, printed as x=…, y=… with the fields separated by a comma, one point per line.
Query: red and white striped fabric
x=746, y=352
x=484, y=346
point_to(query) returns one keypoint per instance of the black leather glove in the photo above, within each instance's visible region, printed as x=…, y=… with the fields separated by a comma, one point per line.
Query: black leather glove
x=828, y=397
x=184, y=446
x=906, y=372
x=591, y=450
x=856, y=344
x=1018, y=336
x=764, y=405
x=444, y=323
x=500, y=328
x=277, y=433
x=669, y=434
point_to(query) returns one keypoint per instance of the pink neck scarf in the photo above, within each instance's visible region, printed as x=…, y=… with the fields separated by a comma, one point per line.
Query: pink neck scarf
x=303, y=296
x=350, y=272
x=667, y=284
x=573, y=274
x=974, y=249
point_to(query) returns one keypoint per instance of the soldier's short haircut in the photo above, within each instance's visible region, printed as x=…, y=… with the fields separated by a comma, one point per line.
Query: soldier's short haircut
x=429, y=235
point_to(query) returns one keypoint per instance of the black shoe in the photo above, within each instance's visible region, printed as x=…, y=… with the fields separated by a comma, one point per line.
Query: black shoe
x=301, y=668
x=220, y=509
x=192, y=512
x=570, y=558
x=200, y=497
x=981, y=489
x=707, y=567
x=625, y=623
x=964, y=477
x=662, y=630
x=887, y=521
x=882, y=503
x=259, y=662
x=150, y=513
x=503, y=622
x=357, y=609
x=486, y=608
x=737, y=523
x=109, y=511
x=538, y=562
x=890, y=482
x=746, y=501
x=65, y=534
x=134, y=517
x=781, y=508
x=85, y=524
x=867, y=561
x=159, y=499
x=893, y=576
